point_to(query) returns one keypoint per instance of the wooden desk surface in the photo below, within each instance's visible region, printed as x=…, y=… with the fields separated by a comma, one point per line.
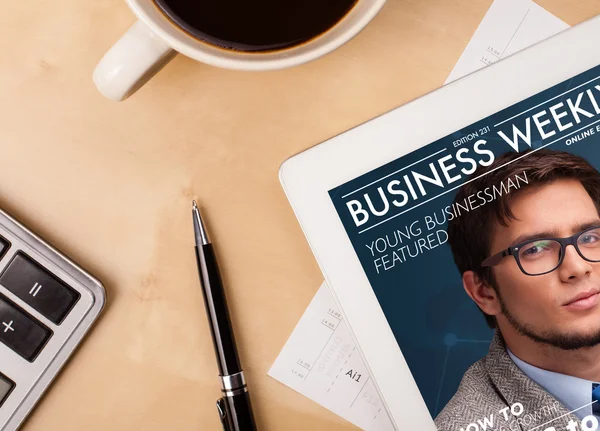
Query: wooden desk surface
x=111, y=184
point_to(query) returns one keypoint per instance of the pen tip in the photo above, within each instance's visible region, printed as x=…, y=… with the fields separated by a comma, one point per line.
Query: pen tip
x=199, y=230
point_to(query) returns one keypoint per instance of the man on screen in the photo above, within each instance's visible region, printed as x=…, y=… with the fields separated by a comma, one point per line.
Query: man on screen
x=530, y=260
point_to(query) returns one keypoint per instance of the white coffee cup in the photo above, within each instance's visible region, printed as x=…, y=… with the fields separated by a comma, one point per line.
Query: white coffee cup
x=154, y=40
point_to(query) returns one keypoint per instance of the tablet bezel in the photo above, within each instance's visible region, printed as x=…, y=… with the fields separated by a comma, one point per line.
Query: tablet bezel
x=308, y=176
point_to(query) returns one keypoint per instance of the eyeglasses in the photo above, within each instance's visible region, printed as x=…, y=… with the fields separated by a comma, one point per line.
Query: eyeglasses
x=544, y=255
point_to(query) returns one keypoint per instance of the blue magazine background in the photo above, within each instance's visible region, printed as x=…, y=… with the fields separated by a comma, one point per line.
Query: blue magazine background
x=439, y=329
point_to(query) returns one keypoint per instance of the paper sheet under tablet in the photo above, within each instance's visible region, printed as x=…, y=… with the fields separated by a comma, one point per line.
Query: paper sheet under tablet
x=320, y=359
x=508, y=27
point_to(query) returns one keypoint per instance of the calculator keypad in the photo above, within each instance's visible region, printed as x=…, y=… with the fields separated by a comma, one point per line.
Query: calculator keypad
x=47, y=305
x=20, y=332
x=38, y=288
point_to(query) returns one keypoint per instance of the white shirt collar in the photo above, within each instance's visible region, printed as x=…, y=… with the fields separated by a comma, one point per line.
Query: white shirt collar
x=572, y=392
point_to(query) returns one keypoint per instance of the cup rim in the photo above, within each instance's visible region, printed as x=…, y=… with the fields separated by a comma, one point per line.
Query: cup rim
x=204, y=52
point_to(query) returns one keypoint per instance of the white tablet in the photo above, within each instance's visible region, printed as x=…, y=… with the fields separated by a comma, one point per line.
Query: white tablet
x=376, y=202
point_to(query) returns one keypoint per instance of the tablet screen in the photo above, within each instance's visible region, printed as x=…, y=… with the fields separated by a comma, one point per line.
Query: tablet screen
x=482, y=249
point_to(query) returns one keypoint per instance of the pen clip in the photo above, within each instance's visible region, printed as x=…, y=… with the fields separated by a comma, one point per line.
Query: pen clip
x=223, y=413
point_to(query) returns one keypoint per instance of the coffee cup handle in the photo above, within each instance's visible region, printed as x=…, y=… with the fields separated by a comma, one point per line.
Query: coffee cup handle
x=131, y=62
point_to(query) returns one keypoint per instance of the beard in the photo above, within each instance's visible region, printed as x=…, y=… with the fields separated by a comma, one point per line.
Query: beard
x=556, y=339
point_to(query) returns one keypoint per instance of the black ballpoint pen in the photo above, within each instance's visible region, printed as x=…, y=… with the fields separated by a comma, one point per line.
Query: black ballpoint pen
x=234, y=406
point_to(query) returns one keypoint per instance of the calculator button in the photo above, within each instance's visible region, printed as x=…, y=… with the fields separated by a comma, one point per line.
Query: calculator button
x=4, y=246
x=6, y=386
x=21, y=332
x=39, y=288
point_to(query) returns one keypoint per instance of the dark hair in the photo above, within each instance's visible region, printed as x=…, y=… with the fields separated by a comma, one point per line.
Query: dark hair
x=469, y=234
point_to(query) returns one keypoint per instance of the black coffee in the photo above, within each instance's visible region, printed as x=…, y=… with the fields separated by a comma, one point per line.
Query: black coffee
x=255, y=25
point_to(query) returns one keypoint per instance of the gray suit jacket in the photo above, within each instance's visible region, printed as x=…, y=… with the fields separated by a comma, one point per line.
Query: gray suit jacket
x=494, y=383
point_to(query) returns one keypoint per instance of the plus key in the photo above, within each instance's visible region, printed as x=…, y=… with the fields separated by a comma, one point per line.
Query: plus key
x=20, y=332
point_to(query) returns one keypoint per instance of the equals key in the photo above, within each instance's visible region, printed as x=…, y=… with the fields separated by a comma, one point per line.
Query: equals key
x=39, y=288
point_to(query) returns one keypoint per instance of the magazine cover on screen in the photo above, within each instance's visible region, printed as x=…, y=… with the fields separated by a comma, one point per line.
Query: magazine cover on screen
x=483, y=250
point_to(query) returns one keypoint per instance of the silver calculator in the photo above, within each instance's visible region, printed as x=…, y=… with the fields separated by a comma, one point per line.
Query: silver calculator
x=47, y=305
